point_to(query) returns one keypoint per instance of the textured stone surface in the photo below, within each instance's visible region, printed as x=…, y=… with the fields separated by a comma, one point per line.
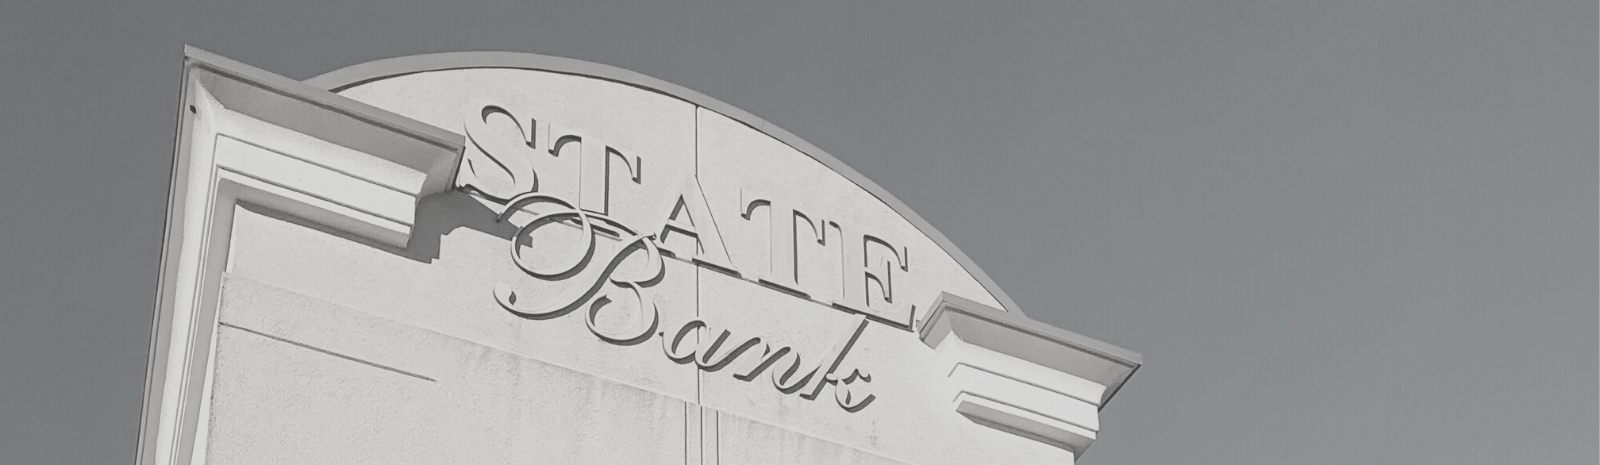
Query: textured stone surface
x=744, y=441
x=453, y=293
x=300, y=380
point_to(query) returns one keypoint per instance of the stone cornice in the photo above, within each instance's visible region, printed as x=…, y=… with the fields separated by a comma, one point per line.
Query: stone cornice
x=1022, y=376
x=360, y=167
x=249, y=137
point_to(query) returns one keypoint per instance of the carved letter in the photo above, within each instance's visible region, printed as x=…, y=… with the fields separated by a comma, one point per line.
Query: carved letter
x=712, y=360
x=497, y=161
x=688, y=215
x=647, y=316
x=752, y=368
x=594, y=172
x=574, y=296
x=835, y=357
x=844, y=390
x=858, y=272
x=782, y=219
x=673, y=346
x=795, y=378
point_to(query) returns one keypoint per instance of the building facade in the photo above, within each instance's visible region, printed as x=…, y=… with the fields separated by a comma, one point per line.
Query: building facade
x=511, y=258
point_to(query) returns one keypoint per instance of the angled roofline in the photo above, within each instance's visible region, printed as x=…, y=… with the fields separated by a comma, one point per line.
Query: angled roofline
x=358, y=74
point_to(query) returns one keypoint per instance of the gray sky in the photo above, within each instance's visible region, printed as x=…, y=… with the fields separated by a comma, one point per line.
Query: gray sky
x=1341, y=232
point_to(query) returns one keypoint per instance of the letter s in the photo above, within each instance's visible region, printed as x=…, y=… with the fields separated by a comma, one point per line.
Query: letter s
x=497, y=162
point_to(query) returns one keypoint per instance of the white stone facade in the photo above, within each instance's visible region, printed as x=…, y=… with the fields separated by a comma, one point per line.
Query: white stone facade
x=505, y=258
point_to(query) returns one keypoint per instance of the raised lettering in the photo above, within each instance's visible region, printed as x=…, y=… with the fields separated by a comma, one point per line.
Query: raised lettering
x=835, y=357
x=688, y=215
x=574, y=296
x=845, y=387
x=783, y=271
x=860, y=269
x=497, y=162
x=594, y=172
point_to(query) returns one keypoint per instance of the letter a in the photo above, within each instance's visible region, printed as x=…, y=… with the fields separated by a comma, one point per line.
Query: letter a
x=688, y=215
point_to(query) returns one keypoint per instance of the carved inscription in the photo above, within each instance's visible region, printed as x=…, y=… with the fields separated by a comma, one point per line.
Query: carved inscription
x=499, y=166
x=621, y=282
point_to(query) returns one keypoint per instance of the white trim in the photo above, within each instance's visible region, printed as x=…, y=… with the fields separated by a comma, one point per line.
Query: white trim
x=246, y=136
x=1022, y=377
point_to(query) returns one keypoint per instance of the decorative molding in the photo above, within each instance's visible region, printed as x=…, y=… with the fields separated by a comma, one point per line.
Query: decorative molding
x=247, y=136
x=1024, y=377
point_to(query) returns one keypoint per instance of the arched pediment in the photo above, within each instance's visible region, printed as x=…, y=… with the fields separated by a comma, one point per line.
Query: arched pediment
x=519, y=76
